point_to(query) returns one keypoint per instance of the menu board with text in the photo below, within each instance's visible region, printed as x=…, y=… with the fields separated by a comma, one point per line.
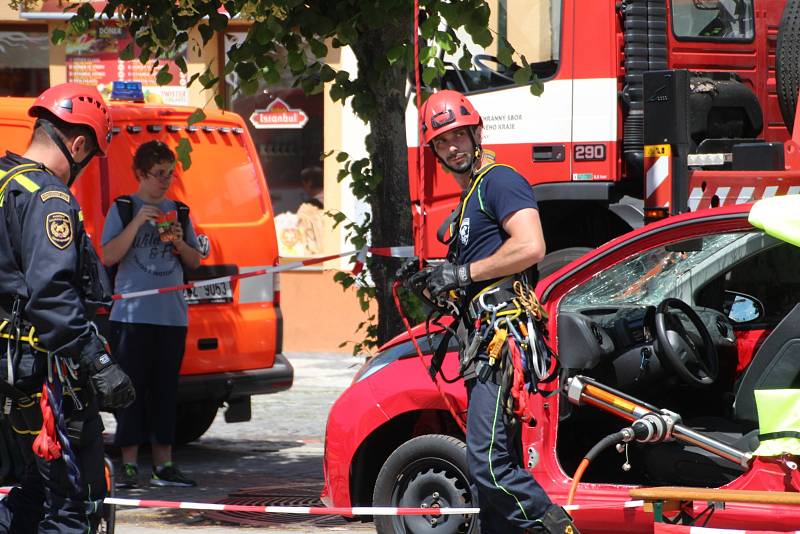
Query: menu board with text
x=93, y=59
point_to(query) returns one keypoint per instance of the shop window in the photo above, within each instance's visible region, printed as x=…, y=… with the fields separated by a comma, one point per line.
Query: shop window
x=287, y=129
x=30, y=76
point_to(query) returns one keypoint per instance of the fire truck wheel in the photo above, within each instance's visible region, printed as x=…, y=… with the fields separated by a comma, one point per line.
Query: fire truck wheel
x=427, y=471
x=556, y=260
x=787, y=61
x=193, y=419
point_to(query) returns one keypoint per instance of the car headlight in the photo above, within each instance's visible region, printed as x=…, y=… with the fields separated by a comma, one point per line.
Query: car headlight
x=399, y=352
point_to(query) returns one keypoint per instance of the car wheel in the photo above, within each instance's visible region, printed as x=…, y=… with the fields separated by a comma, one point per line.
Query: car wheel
x=559, y=258
x=193, y=419
x=425, y=472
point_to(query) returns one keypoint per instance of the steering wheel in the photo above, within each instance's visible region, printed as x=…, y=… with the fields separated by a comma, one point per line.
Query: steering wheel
x=698, y=366
x=479, y=59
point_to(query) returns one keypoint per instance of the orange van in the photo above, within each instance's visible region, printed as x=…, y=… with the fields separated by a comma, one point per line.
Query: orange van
x=234, y=342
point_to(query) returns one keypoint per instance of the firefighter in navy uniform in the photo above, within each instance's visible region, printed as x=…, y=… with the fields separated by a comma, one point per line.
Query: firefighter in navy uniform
x=55, y=369
x=496, y=236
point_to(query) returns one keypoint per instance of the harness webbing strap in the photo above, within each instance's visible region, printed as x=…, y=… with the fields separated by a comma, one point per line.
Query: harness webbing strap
x=475, y=183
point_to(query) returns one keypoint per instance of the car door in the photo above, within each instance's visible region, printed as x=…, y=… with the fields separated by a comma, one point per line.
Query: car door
x=608, y=514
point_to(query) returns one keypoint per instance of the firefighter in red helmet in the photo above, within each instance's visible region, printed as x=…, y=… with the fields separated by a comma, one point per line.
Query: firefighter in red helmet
x=495, y=242
x=55, y=371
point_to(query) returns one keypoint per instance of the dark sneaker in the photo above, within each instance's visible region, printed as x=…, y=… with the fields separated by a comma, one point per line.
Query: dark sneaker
x=128, y=477
x=169, y=475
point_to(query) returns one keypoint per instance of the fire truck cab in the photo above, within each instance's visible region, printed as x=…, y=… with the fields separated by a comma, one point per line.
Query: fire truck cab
x=621, y=79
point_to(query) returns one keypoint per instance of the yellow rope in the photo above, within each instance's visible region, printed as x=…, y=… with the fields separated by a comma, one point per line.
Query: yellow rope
x=30, y=339
x=528, y=300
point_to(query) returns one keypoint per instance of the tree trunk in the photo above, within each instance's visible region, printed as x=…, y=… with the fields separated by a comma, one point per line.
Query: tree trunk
x=386, y=144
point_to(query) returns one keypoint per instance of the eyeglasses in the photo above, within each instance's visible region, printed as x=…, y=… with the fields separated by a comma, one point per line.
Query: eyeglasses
x=162, y=176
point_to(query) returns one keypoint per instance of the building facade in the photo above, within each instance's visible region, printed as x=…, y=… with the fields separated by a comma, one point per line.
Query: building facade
x=290, y=130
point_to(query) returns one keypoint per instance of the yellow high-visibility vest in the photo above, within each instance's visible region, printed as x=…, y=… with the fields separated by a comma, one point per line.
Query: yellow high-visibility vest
x=778, y=421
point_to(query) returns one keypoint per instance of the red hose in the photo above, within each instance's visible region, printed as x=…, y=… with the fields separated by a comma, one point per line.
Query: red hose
x=447, y=400
x=576, y=479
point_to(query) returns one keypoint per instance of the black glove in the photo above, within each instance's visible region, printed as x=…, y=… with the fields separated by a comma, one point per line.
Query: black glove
x=556, y=520
x=112, y=386
x=443, y=278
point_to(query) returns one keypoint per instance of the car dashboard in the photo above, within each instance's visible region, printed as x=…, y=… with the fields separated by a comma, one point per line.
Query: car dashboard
x=620, y=343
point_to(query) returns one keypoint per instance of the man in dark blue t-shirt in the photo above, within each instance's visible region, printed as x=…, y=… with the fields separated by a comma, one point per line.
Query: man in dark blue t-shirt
x=496, y=235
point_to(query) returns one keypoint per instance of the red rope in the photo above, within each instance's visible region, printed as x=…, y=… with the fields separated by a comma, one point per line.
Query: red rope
x=462, y=423
x=518, y=391
x=46, y=445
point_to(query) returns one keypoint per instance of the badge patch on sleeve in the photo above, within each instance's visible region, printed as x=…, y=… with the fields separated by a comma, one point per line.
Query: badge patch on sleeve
x=47, y=195
x=59, y=229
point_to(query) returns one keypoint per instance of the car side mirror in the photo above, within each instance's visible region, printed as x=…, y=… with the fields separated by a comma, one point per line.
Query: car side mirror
x=742, y=308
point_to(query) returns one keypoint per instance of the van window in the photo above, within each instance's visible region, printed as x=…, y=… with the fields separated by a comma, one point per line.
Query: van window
x=713, y=19
x=532, y=27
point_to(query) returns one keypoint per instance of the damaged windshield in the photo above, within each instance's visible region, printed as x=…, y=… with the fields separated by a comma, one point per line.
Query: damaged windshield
x=646, y=278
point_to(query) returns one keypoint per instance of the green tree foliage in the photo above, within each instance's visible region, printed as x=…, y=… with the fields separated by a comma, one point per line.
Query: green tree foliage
x=294, y=36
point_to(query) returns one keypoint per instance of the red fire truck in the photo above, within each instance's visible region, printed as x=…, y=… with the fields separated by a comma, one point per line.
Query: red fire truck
x=650, y=108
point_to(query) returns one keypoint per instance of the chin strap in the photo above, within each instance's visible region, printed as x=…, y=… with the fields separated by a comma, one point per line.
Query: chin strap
x=75, y=167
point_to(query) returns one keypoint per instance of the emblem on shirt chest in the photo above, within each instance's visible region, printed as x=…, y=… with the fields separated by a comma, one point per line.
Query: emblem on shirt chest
x=464, y=231
x=58, y=227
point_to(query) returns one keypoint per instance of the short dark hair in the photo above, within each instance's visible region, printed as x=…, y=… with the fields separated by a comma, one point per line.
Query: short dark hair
x=67, y=129
x=312, y=175
x=152, y=153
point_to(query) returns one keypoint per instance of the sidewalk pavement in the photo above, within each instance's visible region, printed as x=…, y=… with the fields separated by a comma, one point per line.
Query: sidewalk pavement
x=279, y=452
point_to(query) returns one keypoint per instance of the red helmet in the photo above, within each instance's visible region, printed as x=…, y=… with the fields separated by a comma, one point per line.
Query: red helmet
x=77, y=104
x=445, y=111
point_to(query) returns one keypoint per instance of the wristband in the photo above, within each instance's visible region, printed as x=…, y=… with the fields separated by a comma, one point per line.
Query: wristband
x=463, y=276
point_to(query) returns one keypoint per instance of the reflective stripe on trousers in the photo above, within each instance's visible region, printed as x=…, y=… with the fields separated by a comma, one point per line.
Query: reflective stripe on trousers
x=508, y=495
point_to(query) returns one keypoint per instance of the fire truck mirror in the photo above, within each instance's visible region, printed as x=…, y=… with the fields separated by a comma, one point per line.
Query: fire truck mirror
x=666, y=107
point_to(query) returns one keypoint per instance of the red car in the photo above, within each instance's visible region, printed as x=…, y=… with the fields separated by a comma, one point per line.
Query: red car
x=613, y=318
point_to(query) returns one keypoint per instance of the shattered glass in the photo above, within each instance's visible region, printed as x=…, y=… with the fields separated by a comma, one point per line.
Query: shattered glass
x=647, y=278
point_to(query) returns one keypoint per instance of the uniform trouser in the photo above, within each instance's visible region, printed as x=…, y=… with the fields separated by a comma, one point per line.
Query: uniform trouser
x=509, y=497
x=46, y=500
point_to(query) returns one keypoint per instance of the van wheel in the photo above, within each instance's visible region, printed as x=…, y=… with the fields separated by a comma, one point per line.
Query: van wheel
x=556, y=260
x=427, y=471
x=193, y=419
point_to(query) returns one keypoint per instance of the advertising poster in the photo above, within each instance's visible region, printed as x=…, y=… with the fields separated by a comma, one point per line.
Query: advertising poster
x=93, y=59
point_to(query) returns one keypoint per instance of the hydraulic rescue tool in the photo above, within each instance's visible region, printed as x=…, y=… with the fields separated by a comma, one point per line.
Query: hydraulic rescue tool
x=648, y=425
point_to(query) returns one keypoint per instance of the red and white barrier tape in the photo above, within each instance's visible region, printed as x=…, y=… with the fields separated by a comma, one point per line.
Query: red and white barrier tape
x=321, y=510
x=626, y=504
x=304, y=510
x=664, y=528
x=395, y=252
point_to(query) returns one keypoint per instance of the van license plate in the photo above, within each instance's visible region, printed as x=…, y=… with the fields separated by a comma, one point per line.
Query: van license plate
x=216, y=293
